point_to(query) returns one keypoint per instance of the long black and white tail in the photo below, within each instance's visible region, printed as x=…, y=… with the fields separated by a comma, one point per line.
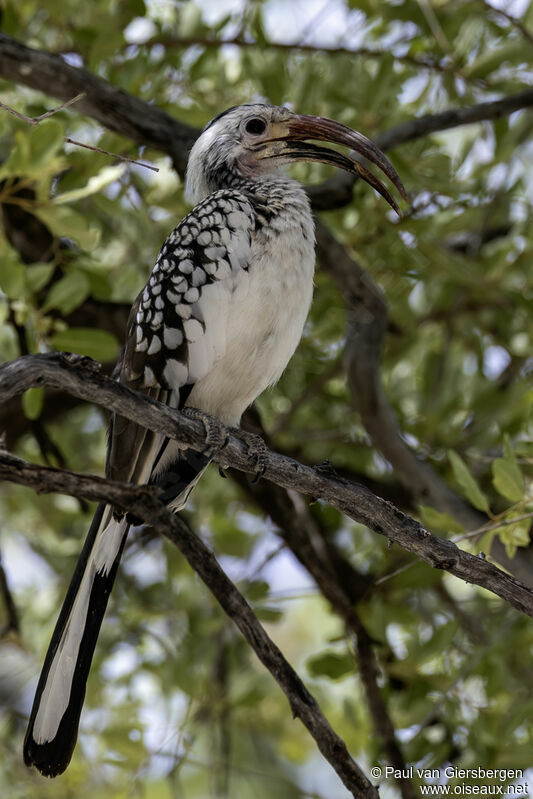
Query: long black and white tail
x=55, y=716
x=54, y=719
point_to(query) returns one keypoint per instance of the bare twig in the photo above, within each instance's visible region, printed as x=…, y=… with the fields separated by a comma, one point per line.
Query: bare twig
x=36, y=120
x=113, y=155
x=419, y=62
x=434, y=25
x=77, y=375
x=143, y=503
x=47, y=114
x=485, y=528
x=512, y=20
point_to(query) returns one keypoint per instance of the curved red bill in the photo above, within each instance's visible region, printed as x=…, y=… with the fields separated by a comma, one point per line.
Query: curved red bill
x=302, y=127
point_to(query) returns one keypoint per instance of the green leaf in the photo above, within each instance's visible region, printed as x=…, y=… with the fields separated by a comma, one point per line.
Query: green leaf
x=32, y=402
x=467, y=483
x=268, y=615
x=34, y=153
x=331, y=664
x=514, y=51
x=45, y=139
x=12, y=273
x=256, y=590
x=38, y=275
x=97, y=344
x=67, y=223
x=95, y=184
x=507, y=479
x=69, y=292
x=435, y=520
x=515, y=535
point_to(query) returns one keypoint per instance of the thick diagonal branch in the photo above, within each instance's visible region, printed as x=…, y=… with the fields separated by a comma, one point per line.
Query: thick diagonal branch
x=367, y=324
x=143, y=503
x=78, y=376
x=337, y=191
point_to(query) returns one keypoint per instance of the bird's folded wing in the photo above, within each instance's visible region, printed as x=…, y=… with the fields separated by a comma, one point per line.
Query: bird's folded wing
x=177, y=326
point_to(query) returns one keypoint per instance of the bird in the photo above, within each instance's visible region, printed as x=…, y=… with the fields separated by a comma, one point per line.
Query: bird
x=215, y=325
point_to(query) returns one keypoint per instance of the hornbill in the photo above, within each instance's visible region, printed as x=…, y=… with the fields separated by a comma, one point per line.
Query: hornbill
x=216, y=323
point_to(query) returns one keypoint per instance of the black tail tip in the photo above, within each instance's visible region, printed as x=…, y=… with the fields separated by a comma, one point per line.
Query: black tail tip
x=41, y=756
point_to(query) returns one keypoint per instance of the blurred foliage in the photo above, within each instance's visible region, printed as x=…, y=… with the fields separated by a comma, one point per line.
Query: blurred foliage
x=176, y=705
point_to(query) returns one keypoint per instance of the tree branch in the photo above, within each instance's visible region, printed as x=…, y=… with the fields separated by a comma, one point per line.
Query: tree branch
x=144, y=503
x=419, y=62
x=148, y=125
x=367, y=323
x=368, y=669
x=78, y=376
x=113, y=108
x=453, y=118
x=337, y=191
x=514, y=21
x=342, y=585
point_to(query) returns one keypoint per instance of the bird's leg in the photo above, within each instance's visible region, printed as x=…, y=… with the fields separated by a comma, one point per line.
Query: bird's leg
x=216, y=437
x=257, y=448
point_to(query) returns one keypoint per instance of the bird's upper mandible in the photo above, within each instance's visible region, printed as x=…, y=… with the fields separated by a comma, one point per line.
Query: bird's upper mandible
x=249, y=141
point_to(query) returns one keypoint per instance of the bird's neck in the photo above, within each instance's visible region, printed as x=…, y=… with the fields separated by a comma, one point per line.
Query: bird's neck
x=225, y=176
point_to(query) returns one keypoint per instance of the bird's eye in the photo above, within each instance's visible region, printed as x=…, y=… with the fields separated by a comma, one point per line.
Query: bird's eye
x=255, y=126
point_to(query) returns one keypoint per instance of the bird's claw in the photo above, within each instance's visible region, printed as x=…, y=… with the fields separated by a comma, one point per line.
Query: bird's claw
x=216, y=436
x=326, y=468
x=257, y=448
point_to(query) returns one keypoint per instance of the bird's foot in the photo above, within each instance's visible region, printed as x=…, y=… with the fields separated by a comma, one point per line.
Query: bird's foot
x=216, y=436
x=257, y=448
x=326, y=468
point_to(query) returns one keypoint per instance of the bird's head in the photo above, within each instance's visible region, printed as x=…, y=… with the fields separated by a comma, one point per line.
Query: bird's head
x=251, y=140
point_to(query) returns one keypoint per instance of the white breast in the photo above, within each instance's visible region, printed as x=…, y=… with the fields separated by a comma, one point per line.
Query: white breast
x=266, y=313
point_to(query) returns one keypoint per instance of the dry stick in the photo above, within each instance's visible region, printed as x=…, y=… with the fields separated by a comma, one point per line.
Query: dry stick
x=35, y=121
x=113, y=155
x=78, y=376
x=144, y=503
x=485, y=528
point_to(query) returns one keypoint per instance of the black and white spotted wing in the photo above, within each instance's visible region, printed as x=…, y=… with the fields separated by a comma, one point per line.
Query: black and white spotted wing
x=174, y=336
x=177, y=331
